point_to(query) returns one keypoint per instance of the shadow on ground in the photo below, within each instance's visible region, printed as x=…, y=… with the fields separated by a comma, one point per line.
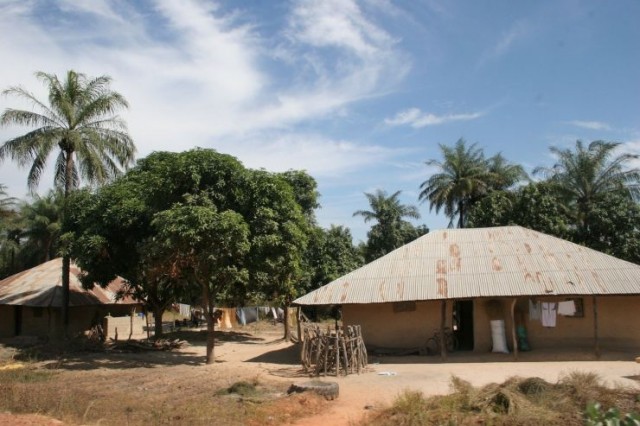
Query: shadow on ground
x=81, y=354
x=288, y=355
x=199, y=337
x=287, y=359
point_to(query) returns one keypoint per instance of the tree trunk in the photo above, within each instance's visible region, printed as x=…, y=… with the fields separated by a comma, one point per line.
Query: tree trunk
x=66, y=259
x=211, y=338
x=208, y=309
x=287, y=327
x=157, y=316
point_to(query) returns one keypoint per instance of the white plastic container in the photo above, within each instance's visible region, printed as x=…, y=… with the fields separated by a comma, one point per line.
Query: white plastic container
x=498, y=336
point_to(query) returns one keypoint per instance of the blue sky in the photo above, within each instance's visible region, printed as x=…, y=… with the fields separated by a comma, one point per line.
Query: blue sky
x=358, y=93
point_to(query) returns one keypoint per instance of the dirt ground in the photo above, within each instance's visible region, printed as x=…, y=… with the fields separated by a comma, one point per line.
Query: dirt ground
x=259, y=354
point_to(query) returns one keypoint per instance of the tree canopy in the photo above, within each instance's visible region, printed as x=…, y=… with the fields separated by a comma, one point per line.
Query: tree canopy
x=160, y=225
x=463, y=177
x=79, y=122
x=583, y=177
x=391, y=230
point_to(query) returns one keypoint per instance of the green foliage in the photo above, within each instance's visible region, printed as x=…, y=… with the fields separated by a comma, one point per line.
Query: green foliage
x=390, y=230
x=200, y=245
x=181, y=223
x=329, y=255
x=78, y=120
x=305, y=190
x=582, y=177
x=30, y=233
x=595, y=416
x=465, y=176
x=42, y=226
x=613, y=227
x=535, y=206
x=10, y=233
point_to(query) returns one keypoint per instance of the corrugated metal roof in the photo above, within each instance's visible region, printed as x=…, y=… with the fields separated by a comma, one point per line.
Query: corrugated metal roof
x=42, y=287
x=481, y=262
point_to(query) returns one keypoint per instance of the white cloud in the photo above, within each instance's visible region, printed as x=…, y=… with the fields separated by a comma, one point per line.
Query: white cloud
x=591, y=125
x=196, y=76
x=632, y=147
x=337, y=23
x=518, y=31
x=101, y=8
x=322, y=157
x=415, y=118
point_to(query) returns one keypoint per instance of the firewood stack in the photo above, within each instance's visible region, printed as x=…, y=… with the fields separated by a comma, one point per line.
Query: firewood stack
x=334, y=351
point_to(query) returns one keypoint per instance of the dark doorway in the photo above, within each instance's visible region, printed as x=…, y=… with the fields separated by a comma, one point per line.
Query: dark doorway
x=18, y=319
x=463, y=324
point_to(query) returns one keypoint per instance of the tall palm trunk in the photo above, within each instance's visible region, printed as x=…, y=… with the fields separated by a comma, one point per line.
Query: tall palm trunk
x=461, y=211
x=66, y=259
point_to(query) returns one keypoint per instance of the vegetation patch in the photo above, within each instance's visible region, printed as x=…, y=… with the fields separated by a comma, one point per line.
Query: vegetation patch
x=242, y=388
x=517, y=401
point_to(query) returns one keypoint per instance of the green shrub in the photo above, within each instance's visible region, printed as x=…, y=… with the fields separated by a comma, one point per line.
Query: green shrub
x=595, y=416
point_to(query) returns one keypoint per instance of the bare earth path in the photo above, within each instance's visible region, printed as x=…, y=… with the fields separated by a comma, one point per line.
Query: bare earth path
x=254, y=353
x=388, y=376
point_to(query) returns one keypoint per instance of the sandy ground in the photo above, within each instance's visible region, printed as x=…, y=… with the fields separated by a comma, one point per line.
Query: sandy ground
x=388, y=376
x=263, y=355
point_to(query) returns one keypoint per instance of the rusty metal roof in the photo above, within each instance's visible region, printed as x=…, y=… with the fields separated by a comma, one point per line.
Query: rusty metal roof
x=42, y=287
x=481, y=262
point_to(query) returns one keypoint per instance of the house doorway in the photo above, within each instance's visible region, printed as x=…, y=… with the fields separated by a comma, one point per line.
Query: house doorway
x=463, y=324
x=17, y=310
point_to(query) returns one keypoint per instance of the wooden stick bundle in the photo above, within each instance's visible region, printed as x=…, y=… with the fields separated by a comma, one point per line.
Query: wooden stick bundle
x=334, y=351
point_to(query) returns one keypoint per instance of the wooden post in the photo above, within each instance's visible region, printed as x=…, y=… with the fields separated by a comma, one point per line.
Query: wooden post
x=337, y=352
x=133, y=313
x=443, y=318
x=513, y=329
x=146, y=319
x=595, y=328
x=298, y=317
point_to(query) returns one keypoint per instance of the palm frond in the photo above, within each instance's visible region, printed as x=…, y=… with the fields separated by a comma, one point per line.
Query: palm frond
x=80, y=120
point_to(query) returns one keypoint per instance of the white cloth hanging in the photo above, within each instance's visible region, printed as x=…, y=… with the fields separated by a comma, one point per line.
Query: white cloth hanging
x=534, y=310
x=549, y=311
x=567, y=308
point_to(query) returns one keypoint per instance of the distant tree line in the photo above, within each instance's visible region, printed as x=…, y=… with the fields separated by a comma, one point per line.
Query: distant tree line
x=198, y=226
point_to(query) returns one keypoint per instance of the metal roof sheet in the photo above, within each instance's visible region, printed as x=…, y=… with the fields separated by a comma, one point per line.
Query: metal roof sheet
x=41, y=286
x=481, y=262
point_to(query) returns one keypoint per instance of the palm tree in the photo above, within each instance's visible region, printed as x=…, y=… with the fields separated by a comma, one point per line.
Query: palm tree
x=504, y=175
x=42, y=226
x=584, y=176
x=9, y=238
x=391, y=230
x=462, y=178
x=7, y=203
x=80, y=123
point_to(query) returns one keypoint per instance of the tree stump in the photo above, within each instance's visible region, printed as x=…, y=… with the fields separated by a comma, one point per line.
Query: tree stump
x=329, y=390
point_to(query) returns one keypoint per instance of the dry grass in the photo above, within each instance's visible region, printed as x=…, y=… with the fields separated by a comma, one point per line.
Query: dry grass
x=517, y=401
x=149, y=397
